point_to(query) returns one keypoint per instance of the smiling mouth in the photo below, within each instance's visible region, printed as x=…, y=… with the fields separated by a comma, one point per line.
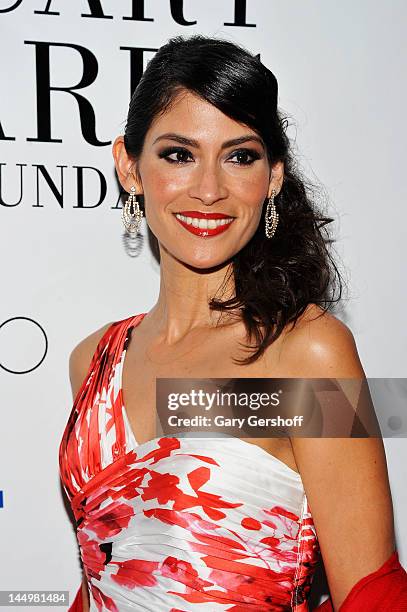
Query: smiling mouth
x=204, y=227
x=204, y=223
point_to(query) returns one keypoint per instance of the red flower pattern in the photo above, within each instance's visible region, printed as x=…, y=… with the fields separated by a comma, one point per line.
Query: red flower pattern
x=179, y=525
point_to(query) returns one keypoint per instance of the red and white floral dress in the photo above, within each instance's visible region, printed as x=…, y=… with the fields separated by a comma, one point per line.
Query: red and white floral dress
x=179, y=524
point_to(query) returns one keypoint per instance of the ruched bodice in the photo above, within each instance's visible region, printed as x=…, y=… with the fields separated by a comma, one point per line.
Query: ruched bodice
x=179, y=524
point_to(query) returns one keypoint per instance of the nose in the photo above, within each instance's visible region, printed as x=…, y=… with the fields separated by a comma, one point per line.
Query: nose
x=208, y=184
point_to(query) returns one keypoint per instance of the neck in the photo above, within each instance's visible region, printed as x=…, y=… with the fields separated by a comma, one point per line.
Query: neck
x=182, y=304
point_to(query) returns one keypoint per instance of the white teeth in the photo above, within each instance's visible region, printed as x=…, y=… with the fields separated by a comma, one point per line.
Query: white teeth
x=203, y=223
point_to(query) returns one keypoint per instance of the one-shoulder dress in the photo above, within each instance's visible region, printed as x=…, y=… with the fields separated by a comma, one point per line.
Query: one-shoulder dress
x=179, y=524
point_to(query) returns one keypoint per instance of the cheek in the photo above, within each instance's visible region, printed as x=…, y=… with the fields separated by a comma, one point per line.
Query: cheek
x=252, y=191
x=160, y=188
x=160, y=191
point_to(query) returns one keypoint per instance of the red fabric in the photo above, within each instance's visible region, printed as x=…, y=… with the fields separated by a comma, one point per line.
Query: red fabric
x=77, y=602
x=384, y=590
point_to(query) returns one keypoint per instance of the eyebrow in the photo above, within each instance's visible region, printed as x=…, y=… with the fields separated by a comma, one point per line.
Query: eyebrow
x=194, y=143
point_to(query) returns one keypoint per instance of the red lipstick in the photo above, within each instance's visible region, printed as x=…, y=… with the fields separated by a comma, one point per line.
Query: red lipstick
x=204, y=232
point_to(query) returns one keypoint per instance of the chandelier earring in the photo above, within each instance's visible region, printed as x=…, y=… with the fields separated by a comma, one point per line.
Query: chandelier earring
x=271, y=217
x=131, y=214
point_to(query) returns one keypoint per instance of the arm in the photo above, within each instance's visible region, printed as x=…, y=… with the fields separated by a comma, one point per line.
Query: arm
x=79, y=363
x=345, y=479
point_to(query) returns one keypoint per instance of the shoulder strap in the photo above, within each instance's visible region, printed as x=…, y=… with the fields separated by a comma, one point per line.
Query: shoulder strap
x=104, y=347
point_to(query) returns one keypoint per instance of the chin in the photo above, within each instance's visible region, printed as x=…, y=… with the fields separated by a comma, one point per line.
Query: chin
x=205, y=264
x=199, y=258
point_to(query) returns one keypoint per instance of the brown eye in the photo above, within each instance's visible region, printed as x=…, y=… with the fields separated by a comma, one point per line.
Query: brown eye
x=181, y=155
x=244, y=154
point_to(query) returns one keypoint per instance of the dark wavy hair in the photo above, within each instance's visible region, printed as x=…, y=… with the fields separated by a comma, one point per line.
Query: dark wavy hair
x=275, y=279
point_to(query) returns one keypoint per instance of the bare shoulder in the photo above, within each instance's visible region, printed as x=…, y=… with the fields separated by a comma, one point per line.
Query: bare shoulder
x=81, y=357
x=345, y=479
x=321, y=345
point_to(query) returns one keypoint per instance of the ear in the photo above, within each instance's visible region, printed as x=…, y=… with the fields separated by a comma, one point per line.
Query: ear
x=276, y=177
x=126, y=167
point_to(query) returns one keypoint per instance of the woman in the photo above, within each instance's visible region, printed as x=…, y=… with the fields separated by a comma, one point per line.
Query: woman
x=227, y=524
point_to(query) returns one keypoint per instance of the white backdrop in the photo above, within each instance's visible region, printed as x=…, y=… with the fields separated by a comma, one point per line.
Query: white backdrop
x=65, y=268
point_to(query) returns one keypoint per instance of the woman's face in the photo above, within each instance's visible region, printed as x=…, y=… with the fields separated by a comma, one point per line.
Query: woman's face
x=196, y=160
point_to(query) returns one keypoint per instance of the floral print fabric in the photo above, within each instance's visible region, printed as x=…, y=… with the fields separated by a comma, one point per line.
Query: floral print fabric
x=179, y=524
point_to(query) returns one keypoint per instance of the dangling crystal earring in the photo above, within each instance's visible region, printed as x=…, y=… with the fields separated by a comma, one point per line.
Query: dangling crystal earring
x=131, y=214
x=271, y=216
